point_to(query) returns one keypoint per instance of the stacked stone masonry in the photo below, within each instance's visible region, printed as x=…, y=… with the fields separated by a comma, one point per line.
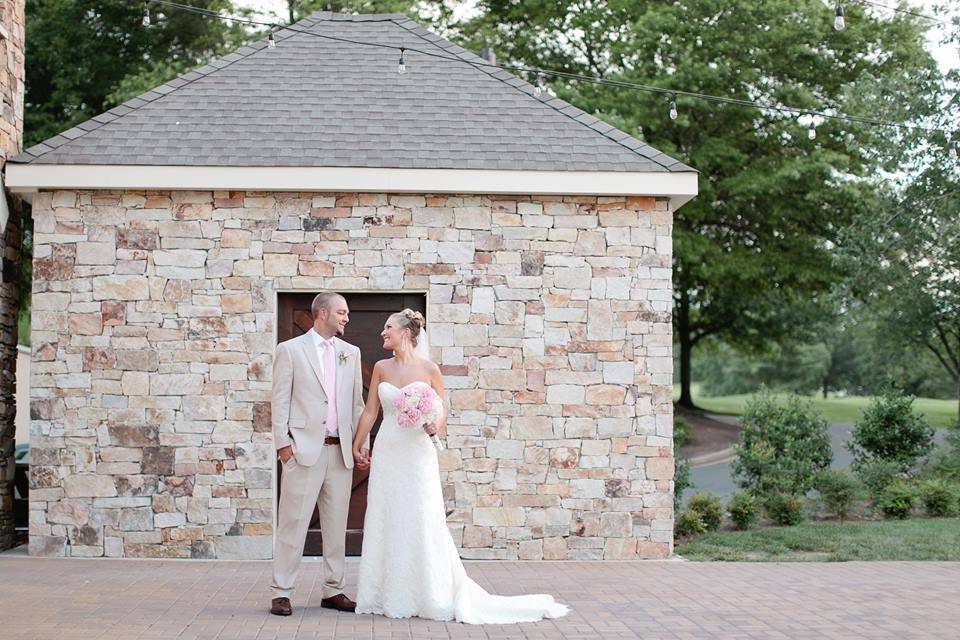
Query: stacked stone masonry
x=11, y=130
x=154, y=325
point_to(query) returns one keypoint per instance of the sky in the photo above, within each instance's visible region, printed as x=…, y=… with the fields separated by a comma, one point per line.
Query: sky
x=947, y=57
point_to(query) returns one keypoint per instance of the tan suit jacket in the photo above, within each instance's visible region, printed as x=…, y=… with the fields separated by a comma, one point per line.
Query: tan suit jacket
x=299, y=403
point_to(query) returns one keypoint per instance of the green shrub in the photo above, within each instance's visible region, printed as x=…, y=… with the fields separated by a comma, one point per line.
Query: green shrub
x=785, y=510
x=689, y=524
x=681, y=480
x=710, y=509
x=781, y=447
x=744, y=510
x=890, y=430
x=877, y=475
x=838, y=490
x=681, y=432
x=681, y=471
x=939, y=498
x=896, y=500
x=945, y=461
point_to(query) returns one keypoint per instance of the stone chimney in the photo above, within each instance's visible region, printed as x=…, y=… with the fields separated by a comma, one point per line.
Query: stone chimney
x=11, y=142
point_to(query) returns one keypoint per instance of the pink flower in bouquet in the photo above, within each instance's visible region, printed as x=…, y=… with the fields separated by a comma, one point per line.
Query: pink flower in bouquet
x=418, y=405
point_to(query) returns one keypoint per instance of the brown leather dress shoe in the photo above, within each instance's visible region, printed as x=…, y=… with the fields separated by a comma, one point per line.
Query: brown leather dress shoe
x=339, y=602
x=280, y=607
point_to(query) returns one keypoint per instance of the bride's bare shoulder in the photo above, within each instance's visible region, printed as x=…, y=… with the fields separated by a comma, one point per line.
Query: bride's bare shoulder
x=380, y=365
x=431, y=367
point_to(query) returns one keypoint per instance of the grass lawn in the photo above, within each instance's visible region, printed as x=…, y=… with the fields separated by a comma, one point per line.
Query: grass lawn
x=940, y=413
x=914, y=539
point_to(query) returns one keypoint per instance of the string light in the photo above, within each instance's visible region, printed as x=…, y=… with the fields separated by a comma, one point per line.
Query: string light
x=146, y=15
x=401, y=66
x=541, y=73
x=812, y=132
x=673, y=108
x=953, y=149
x=908, y=12
x=838, y=22
x=271, y=43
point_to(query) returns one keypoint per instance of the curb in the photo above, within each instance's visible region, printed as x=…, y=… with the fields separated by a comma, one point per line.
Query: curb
x=716, y=457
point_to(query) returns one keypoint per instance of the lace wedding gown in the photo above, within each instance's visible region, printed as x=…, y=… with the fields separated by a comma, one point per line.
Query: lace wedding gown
x=409, y=565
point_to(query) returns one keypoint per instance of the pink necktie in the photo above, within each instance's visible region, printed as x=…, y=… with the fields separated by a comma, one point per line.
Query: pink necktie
x=330, y=386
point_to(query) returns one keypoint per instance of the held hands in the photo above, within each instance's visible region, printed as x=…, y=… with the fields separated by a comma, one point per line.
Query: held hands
x=361, y=458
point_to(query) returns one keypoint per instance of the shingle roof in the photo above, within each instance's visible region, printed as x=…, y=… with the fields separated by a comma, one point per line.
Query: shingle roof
x=319, y=102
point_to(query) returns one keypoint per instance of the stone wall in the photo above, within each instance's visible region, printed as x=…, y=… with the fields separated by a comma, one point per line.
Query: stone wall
x=154, y=327
x=11, y=78
x=11, y=130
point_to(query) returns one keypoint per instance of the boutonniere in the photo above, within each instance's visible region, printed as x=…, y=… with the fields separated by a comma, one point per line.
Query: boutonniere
x=343, y=356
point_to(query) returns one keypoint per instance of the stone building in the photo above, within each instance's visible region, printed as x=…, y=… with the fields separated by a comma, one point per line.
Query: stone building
x=179, y=236
x=11, y=134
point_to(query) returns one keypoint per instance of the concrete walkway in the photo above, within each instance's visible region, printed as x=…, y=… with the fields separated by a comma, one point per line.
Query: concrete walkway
x=192, y=600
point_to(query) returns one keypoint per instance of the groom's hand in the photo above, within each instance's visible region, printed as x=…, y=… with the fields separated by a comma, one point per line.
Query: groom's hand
x=285, y=454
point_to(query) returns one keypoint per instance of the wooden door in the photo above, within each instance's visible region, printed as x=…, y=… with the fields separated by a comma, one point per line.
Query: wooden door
x=368, y=312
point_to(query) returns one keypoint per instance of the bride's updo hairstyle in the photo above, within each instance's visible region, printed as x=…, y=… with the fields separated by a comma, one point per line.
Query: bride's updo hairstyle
x=410, y=319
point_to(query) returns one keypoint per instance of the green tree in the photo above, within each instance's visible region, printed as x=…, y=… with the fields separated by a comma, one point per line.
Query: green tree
x=854, y=353
x=84, y=57
x=297, y=9
x=912, y=279
x=753, y=252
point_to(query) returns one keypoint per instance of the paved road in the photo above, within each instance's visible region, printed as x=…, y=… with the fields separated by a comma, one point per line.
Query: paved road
x=718, y=478
x=98, y=599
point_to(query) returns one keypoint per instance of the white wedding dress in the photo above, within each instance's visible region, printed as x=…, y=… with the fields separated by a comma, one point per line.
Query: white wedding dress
x=409, y=565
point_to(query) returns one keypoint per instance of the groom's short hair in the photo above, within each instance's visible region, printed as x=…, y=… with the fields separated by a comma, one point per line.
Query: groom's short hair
x=322, y=301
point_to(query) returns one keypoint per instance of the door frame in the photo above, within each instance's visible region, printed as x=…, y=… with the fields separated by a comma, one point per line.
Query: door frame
x=274, y=483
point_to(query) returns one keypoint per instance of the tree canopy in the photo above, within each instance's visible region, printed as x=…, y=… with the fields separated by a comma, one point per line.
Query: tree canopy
x=753, y=253
x=83, y=57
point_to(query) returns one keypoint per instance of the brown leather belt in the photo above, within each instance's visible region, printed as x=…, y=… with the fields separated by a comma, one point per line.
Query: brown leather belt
x=331, y=440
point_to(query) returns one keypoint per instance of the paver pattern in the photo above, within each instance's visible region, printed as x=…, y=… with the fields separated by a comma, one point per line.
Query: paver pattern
x=61, y=598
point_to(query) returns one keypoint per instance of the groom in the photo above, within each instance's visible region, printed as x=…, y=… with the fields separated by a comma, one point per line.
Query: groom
x=317, y=401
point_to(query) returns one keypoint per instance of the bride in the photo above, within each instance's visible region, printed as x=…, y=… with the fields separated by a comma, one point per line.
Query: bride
x=409, y=565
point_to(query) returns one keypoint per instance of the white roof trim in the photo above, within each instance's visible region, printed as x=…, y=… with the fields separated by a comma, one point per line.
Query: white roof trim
x=680, y=187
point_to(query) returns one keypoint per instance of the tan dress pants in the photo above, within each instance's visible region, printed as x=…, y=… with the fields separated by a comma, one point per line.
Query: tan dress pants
x=328, y=484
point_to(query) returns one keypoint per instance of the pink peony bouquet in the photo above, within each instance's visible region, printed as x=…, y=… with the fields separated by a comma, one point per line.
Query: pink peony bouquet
x=418, y=406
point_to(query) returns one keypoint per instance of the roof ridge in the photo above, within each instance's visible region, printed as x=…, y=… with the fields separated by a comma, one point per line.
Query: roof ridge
x=336, y=16
x=564, y=108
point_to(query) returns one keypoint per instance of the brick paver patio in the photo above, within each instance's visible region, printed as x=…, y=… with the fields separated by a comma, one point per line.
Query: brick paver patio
x=64, y=599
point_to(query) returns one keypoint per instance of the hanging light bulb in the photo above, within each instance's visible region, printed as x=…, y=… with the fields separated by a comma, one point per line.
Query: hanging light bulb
x=146, y=15
x=673, y=108
x=538, y=85
x=401, y=66
x=812, y=132
x=271, y=43
x=838, y=22
x=953, y=148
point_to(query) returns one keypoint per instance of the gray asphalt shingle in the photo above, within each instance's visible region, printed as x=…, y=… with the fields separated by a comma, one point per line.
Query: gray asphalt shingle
x=319, y=102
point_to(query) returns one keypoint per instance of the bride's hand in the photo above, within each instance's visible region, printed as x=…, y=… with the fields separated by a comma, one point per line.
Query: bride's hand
x=430, y=429
x=361, y=458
